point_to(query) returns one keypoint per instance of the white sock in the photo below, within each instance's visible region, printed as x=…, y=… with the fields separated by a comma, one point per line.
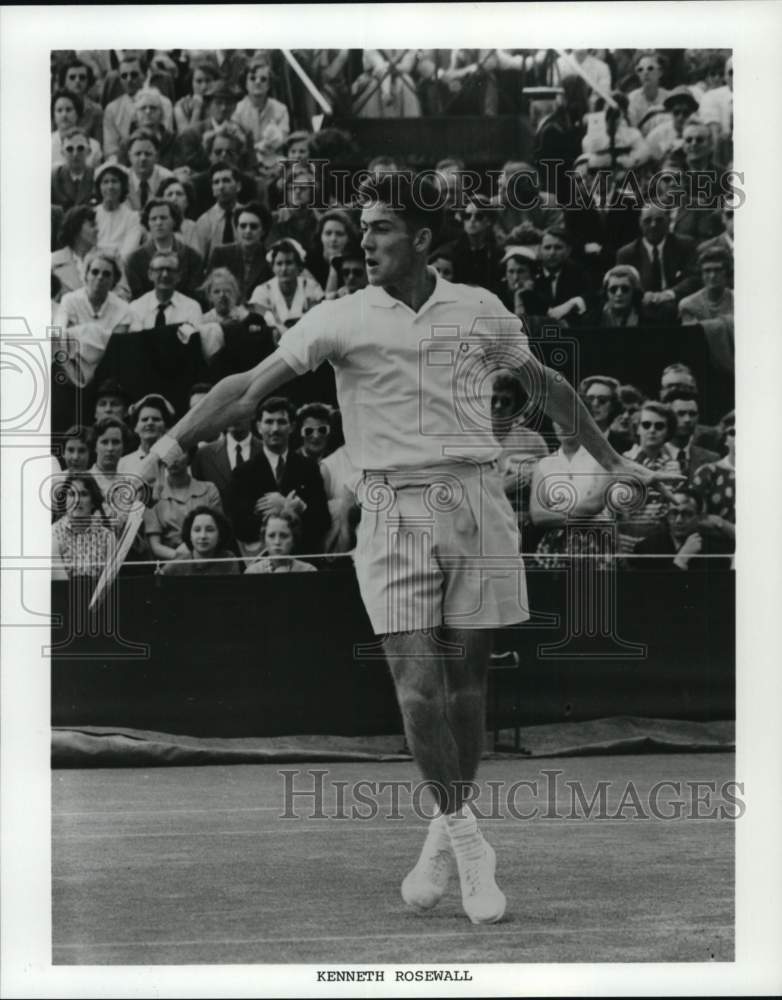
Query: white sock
x=466, y=838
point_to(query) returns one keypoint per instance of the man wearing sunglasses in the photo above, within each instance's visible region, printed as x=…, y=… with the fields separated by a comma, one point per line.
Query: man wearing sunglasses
x=685, y=535
x=656, y=425
x=119, y=116
x=261, y=116
x=73, y=181
x=669, y=134
x=77, y=78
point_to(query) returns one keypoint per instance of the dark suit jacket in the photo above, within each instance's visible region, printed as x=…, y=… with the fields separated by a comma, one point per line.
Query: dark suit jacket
x=65, y=193
x=698, y=457
x=230, y=255
x=572, y=282
x=204, y=199
x=191, y=267
x=679, y=264
x=190, y=151
x=477, y=267
x=255, y=478
x=210, y=464
x=659, y=542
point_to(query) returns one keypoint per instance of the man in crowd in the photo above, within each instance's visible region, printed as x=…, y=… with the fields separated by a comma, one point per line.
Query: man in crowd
x=685, y=537
x=245, y=258
x=77, y=78
x=215, y=462
x=520, y=200
x=145, y=175
x=225, y=147
x=678, y=377
x=216, y=226
x=162, y=220
x=119, y=115
x=73, y=181
x=712, y=309
x=220, y=101
x=562, y=285
x=689, y=456
x=164, y=305
x=476, y=256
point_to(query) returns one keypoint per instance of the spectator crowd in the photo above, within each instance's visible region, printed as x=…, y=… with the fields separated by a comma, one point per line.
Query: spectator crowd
x=198, y=202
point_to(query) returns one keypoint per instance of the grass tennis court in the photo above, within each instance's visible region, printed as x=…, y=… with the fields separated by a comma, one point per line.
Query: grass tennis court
x=183, y=865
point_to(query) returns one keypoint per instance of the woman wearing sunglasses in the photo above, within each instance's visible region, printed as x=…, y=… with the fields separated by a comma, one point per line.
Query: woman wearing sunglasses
x=72, y=179
x=67, y=110
x=314, y=423
x=622, y=295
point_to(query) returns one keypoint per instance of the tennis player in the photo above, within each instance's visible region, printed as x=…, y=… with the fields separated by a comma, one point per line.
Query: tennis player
x=437, y=550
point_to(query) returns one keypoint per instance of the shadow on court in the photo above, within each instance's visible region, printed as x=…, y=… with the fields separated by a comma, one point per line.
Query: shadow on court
x=195, y=865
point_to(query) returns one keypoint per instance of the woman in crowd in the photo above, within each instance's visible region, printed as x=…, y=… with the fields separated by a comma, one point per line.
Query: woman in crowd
x=67, y=110
x=335, y=233
x=181, y=193
x=623, y=432
x=347, y=273
x=518, y=282
x=715, y=483
x=119, y=226
x=281, y=535
x=164, y=520
x=622, y=294
x=118, y=493
x=77, y=448
x=289, y=294
x=91, y=315
x=78, y=235
x=313, y=421
x=190, y=110
x=150, y=418
x=222, y=293
x=81, y=540
x=206, y=535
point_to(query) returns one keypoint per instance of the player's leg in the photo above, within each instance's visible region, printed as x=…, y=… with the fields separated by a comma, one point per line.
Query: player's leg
x=465, y=694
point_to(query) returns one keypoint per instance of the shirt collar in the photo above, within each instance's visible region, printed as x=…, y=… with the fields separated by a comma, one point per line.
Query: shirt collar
x=443, y=291
x=274, y=458
x=650, y=246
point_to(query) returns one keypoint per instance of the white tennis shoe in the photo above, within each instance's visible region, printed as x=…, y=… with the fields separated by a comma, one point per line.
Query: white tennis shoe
x=426, y=884
x=482, y=899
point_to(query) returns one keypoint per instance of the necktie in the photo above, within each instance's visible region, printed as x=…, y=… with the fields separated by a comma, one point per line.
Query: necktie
x=657, y=270
x=280, y=470
x=228, y=229
x=160, y=318
x=143, y=192
x=239, y=456
x=681, y=458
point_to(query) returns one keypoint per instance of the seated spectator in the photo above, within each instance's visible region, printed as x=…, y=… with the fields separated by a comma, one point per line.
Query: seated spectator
x=78, y=235
x=340, y=480
x=119, y=114
x=649, y=68
x=441, y=259
x=149, y=111
x=313, y=428
x=67, y=111
x=265, y=119
x=82, y=541
x=118, y=491
x=668, y=136
x=164, y=305
x=623, y=294
x=386, y=88
x=281, y=536
x=72, y=180
x=725, y=239
x=347, y=273
x=77, y=78
x=215, y=227
x=715, y=483
x=215, y=462
x=222, y=293
x=569, y=485
x=229, y=146
x=296, y=218
x=655, y=427
x=279, y=476
x=181, y=494
x=217, y=105
x=149, y=417
x=716, y=109
x=611, y=140
x=181, y=193
x=246, y=257
x=206, y=536
x=191, y=110
x=521, y=200
x=119, y=226
x=91, y=315
x=712, y=307
x=334, y=233
x=676, y=377
x=665, y=263
x=111, y=400
x=690, y=456
x=561, y=285
x=289, y=294
x=685, y=537
x=518, y=291
x=622, y=432
x=694, y=215
x=476, y=256
x=600, y=395
x=146, y=174
x=77, y=444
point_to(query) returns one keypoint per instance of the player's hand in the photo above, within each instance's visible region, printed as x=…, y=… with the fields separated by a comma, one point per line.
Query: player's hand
x=626, y=468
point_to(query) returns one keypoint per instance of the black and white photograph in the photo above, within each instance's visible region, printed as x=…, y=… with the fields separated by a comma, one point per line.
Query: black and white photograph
x=444, y=339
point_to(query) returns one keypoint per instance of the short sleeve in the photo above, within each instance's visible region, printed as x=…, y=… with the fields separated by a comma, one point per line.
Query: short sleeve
x=317, y=337
x=504, y=334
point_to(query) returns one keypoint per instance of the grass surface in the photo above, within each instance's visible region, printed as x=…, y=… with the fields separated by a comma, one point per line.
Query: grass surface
x=195, y=865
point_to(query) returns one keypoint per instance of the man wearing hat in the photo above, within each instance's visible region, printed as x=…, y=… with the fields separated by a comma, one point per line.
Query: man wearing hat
x=227, y=147
x=221, y=99
x=669, y=133
x=111, y=400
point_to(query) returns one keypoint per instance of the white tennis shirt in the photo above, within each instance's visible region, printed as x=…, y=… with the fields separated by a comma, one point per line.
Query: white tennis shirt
x=414, y=388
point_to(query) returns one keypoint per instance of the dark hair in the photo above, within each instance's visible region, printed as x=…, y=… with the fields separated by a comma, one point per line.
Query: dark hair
x=415, y=197
x=482, y=204
x=630, y=394
x=284, y=246
x=559, y=233
x=75, y=99
x=256, y=209
x=106, y=423
x=138, y=57
x=715, y=255
x=187, y=187
x=681, y=393
x=142, y=135
x=662, y=410
x=508, y=380
x=337, y=215
x=258, y=62
x=92, y=488
x=174, y=209
x=78, y=432
x=74, y=219
x=276, y=404
x=204, y=66
x=75, y=64
x=314, y=411
x=111, y=387
x=217, y=168
x=445, y=252
x=224, y=533
x=199, y=387
x=692, y=494
x=117, y=171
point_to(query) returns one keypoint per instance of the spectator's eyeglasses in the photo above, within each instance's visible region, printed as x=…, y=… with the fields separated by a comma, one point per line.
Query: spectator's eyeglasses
x=75, y=77
x=658, y=425
x=260, y=78
x=648, y=69
x=132, y=75
x=680, y=111
x=685, y=515
x=249, y=225
x=615, y=289
x=321, y=431
x=352, y=272
x=695, y=140
x=75, y=149
x=96, y=273
x=599, y=399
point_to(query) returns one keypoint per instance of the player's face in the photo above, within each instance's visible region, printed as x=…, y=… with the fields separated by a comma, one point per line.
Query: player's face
x=275, y=429
x=387, y=244
x=278, y=537
x=204, y=536
x=108, y=449
x=76, y=455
